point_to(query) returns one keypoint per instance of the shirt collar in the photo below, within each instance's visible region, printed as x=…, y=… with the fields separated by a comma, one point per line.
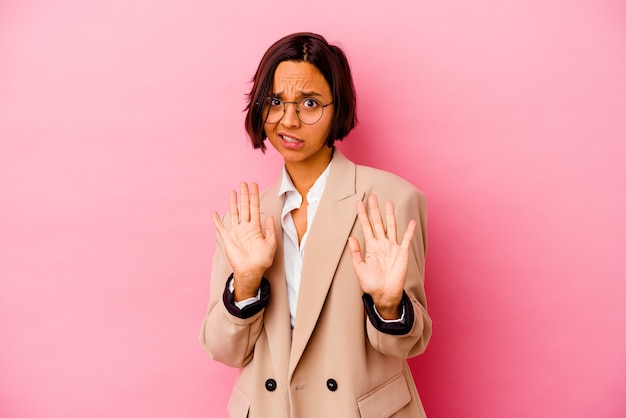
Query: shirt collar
x=315, y=192
x=286, y=185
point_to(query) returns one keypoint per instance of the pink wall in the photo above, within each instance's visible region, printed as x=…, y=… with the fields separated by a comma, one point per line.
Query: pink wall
x=121, y=128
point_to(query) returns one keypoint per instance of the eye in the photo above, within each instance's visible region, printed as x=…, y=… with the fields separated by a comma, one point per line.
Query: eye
x=309, y=103
x=274, y=102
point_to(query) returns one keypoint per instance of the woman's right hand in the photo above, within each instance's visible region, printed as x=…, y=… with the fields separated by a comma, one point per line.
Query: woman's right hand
x=250, y=251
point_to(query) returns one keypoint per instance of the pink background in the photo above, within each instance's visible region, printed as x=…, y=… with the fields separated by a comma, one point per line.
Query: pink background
x=121, y=128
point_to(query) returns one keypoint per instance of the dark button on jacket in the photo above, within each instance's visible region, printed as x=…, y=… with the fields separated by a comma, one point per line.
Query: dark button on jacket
x=331, y=384
x=270, y=385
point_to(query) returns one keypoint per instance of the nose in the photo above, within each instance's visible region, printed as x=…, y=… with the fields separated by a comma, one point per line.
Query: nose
x=290, y=117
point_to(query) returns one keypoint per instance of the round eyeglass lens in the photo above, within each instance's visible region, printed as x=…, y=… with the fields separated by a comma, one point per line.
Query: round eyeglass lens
x=309, y=111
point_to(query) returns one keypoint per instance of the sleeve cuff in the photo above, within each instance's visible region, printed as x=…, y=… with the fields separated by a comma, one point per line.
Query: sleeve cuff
x=388, y=321
x=242, y=304
x=396, y=327
x=249, y=307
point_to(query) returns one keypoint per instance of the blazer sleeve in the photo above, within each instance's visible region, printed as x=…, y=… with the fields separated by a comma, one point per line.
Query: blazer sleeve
x=229, y=336
x=411, y=205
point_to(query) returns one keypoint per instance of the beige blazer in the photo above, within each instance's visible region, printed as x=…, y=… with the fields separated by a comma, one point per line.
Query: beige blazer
x=336, y=363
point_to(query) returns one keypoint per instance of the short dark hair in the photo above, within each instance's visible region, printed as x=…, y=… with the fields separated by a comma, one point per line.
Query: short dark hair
x=332, y=63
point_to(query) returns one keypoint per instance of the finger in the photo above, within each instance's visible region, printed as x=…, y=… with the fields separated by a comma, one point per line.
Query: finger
x=270, y=231
x=255, y=203
x=364, y=221
x=219, y=225
x=244, y=212
x=232, y=204
x=392, y=230
x=375, y=217
x=355, y=251
x=408, y=234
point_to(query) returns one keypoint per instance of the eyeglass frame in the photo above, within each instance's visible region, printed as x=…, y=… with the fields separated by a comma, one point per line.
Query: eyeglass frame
x=323, y=106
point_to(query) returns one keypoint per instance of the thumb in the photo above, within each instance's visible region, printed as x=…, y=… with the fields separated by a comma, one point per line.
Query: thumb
x=269, y=229
x=221, y=229
x=355, y=250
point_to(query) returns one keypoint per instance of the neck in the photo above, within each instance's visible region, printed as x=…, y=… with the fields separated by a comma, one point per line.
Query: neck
x=303, y=174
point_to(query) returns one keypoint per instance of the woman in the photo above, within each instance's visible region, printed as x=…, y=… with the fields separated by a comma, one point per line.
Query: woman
x=313, y=297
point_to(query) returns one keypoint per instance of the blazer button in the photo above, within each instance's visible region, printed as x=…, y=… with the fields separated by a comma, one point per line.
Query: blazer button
x=270, y=385
x=331, y=384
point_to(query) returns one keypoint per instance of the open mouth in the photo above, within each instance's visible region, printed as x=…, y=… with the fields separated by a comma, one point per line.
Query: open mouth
x=290, y=139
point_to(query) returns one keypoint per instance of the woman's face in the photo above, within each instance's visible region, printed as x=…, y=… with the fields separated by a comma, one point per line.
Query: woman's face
x=297, y=142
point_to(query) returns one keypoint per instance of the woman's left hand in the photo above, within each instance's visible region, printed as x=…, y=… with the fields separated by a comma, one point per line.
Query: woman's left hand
x=382, y=270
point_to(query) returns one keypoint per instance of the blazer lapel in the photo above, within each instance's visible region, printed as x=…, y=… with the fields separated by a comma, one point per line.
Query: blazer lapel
x=276, y=316
x=325, y=244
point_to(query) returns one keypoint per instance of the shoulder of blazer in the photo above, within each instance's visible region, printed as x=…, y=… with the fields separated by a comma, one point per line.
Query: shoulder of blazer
x=375, y=177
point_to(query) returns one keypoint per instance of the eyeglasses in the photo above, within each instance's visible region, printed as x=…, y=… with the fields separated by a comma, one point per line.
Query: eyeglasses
x=308, y=110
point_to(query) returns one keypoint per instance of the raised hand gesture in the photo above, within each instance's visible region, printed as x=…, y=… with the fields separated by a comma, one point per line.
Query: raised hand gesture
x=249, y=249
x=382, y=270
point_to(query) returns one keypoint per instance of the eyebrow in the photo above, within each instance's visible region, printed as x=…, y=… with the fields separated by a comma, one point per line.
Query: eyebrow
x=302, y=94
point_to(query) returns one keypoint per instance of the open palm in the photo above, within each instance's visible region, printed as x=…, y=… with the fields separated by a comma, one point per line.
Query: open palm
x=381, y=271
x=248, y=248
